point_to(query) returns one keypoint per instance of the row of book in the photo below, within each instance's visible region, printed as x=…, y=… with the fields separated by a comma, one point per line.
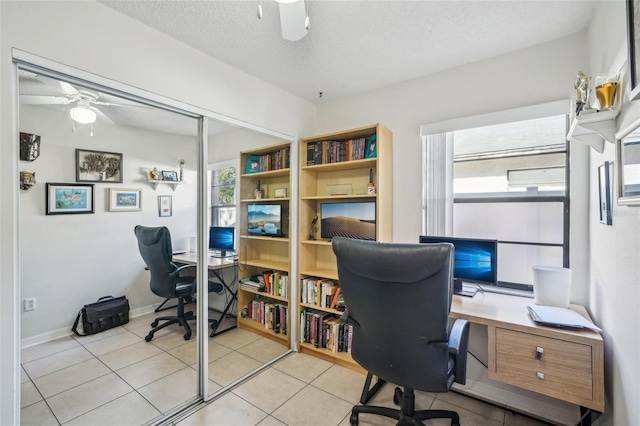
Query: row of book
x=321, y=292
x=273, y=161
x=323, y=152
x=275, y=283
x=325, y=330
x=272, y=315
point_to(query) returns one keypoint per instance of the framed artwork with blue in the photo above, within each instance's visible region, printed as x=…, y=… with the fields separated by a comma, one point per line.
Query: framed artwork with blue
x=69, y=198
x=371, y=149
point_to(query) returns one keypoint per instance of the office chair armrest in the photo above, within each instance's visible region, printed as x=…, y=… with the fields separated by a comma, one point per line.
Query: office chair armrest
x=457, y=345
x=177, y=271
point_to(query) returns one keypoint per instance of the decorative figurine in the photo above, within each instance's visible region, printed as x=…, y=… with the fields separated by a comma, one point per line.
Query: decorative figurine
x=181, y=163
x=581, y=85
x=155, y=174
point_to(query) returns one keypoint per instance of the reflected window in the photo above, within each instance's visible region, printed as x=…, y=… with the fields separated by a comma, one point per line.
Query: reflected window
x=223, y=195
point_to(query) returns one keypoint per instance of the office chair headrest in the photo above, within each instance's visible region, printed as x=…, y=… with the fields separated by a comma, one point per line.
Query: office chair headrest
x=149, y=236
x=396, y=262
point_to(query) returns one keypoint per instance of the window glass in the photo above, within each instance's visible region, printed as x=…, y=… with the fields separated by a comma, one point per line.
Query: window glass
x=223, y=196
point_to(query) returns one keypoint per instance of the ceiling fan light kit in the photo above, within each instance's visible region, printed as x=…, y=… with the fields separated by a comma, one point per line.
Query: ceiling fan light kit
x=82, y=113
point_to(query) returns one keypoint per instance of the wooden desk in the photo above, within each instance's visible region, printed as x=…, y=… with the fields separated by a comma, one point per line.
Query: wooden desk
x=571, y=367
x=214, y=263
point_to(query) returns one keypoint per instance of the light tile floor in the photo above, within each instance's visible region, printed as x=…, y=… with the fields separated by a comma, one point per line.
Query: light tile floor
x=116, y=378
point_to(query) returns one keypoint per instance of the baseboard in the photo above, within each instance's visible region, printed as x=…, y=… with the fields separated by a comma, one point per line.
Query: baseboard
x=66, y=331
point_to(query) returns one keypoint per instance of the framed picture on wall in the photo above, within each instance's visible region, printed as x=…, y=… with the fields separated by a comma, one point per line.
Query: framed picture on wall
x=69, y=198
x=165, y=207
x=98, y=166
x=125, y=200
x=633, y=47
x=169, y=175
x=604, y=181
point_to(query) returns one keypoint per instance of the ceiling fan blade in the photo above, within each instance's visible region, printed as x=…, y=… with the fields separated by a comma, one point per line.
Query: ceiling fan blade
x=102, y=116
x=61, y=86
x=293, y=18
x=43, y=100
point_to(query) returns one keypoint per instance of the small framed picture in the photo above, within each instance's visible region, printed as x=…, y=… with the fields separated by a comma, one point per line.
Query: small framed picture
x=69, y=198
x=98, y=166
x=170, y=175
x=125, y=200
x=253, y=164
x=604, y=173
x=371, y=150
x=165, y=208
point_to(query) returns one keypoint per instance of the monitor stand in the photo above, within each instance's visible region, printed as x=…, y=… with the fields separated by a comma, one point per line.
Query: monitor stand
x=221, y=254
x=461, y=289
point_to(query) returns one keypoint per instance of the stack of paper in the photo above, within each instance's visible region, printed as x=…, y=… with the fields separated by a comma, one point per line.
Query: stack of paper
x=559, y=317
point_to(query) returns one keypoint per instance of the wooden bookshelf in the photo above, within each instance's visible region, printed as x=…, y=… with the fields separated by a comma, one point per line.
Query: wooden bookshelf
x=315, y=254
x=270, y=167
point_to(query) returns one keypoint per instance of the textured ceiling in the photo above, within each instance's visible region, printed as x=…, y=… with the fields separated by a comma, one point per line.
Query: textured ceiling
x=356, y=46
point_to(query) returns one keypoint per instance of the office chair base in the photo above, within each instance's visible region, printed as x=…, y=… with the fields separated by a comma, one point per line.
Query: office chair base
x=181, y=320
x=406, y=416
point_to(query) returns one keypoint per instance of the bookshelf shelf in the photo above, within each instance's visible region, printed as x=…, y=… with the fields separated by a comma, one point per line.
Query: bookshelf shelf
x=315, y=256
x=257, y=254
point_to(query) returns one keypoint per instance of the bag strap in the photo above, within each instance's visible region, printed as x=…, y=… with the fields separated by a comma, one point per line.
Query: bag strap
x=75, y=324
x=105, y=298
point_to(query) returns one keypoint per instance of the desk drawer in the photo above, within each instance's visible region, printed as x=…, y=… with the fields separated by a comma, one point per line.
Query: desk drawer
x=564, y=369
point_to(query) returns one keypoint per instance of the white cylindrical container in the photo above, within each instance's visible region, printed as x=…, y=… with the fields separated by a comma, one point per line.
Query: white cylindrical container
x=193, y=244
x=552, y=286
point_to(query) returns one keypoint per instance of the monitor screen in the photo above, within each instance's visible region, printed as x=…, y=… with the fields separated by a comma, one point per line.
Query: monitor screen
x=355, y=219
x=264, y=219
x=222, y=239
x=474, y=260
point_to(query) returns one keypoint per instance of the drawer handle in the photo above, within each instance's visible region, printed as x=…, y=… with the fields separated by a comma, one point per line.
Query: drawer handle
x=540, y=375
x=539, y=352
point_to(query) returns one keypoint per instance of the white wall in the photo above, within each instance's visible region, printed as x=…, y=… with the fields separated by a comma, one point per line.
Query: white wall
x=615, y=250
x=69, y=260
x=121, y=49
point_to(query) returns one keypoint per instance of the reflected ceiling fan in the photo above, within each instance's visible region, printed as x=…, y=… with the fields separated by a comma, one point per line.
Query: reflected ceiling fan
x=84, y=103
x=294, y=19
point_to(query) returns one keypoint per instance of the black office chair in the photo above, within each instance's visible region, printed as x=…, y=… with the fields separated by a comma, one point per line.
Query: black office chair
x=166, y=281
x=398, y=298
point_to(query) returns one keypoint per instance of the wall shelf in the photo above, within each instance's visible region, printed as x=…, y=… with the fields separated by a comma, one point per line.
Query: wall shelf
x=593, y=128
x=172, y=184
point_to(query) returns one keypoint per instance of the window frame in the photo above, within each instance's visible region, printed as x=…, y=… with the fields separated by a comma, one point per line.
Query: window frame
x=519, y=114
x=212, y=168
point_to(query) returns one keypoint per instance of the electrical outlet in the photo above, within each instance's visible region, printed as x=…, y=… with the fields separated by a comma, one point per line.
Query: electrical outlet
x=30, y=304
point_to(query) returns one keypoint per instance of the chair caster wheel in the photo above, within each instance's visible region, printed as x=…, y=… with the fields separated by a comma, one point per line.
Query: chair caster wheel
x=148, y=337
x=214, y=324
x=187, y=336
x=154, y=323
x=353, y=419
x=397, y=396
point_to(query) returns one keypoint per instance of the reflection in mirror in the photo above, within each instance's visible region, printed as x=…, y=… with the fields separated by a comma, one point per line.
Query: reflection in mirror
x=628, y=150
x=238, y=346
x=69, y=260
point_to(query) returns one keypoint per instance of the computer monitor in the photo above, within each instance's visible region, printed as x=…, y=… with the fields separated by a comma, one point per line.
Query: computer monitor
x=264, y=219
x=475, y=260
x=352, y=219
x=221, y=240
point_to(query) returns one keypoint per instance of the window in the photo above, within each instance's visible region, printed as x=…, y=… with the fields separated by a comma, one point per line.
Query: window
x=223, y=194
x=508, y=182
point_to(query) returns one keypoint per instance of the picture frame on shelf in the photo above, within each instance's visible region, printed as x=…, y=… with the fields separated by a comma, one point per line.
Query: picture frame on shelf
x=253, y=164
x=69, y=198
x=165, y=205
x=169, y=176
x=633, y=49
x=125, y=200
x=371, y=149
x=604, y=185
x=98, y=166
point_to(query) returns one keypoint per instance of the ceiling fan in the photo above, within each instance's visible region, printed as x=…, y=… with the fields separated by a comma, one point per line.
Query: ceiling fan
x=84, y=103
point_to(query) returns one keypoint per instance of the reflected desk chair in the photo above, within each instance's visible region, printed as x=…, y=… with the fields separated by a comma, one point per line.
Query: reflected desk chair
x=166, y=281
x=398, y=298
